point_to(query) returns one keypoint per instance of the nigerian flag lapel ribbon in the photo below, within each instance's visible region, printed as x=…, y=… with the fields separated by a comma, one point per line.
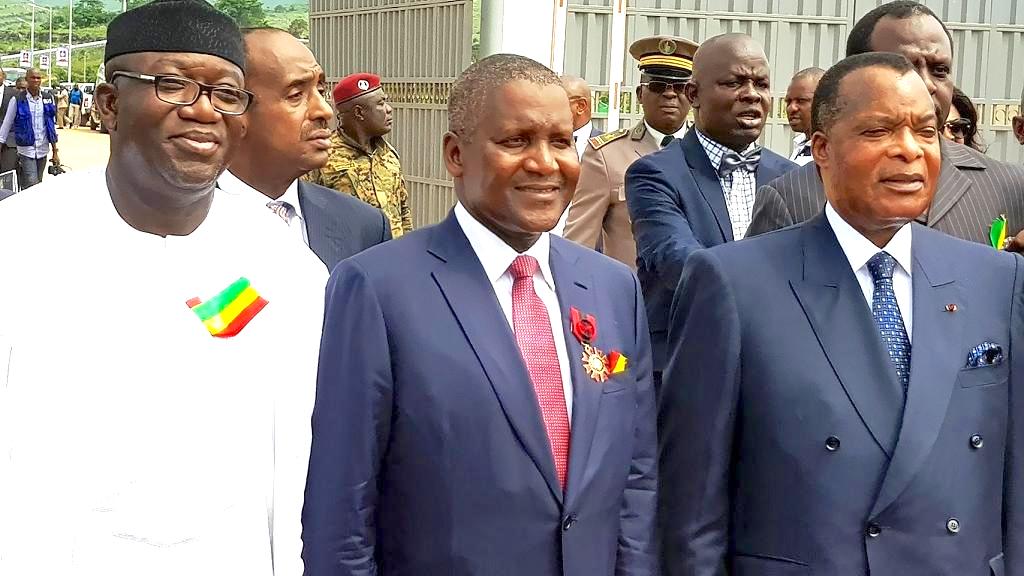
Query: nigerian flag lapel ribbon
x=227, y=313
x=997, y=233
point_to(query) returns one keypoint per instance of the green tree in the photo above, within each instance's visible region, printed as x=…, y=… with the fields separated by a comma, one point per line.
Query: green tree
x=137, y=3
x=299, y=28
x=246, y=13
x=280, y=8
x=91, y=13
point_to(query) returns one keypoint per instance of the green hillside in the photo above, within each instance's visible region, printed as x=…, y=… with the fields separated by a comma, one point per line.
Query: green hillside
x=92, y=16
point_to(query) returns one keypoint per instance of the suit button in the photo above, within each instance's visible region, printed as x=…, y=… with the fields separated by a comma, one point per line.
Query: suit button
x=953, y=525
x=832, y=444
x=568, y=522
x=977, y=441
x=874, y=530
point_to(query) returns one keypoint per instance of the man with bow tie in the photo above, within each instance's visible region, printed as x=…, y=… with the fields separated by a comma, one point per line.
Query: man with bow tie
x=698, y=192
x=840, y=395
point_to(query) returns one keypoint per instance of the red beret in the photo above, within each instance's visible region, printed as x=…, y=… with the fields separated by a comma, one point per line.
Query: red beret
x=355, y=85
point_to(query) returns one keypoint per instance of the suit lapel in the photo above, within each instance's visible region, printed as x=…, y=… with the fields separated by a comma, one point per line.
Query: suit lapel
x=328, y=236
x=952, y=184
x=707, y=182
x=934, y=363
x=767, y=170
x=835, y=306
x=573, y=287
x=472, y=300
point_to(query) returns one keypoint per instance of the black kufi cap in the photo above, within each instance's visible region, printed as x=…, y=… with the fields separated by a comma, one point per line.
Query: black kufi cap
x=191, y=26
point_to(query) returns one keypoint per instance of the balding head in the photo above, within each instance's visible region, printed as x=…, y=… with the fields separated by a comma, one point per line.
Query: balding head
x=579, y=100
x=730, y=89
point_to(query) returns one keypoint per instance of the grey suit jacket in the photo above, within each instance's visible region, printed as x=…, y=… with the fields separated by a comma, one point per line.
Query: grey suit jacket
x=785, y=446
x=973, y=190
x=5, y=101
x=338, y=225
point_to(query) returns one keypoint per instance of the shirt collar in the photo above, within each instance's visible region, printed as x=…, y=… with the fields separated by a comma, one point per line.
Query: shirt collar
x=859, y=249
x=716, y=151
x=232, y=184
x=582, y=136
x=799, y=140
x=495, y=255
x=658, y=136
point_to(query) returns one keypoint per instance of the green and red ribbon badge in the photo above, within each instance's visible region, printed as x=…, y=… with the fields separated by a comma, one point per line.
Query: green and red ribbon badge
x=228, y=312
x=598, y=365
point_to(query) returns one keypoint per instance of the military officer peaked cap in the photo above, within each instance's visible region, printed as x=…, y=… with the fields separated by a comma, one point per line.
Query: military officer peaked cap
x=664, y=58
x=354, y=86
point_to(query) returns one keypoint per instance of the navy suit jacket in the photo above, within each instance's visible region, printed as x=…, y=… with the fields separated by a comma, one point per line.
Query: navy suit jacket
x=339, y=225
x=785, y=447
x=677, y=206
x=429, y=454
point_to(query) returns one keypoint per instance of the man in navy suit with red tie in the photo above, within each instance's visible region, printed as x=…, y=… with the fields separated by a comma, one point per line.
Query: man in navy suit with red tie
x=484, y=401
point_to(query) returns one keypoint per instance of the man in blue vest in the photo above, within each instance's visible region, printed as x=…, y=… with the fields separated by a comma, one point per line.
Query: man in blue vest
x=32, y=115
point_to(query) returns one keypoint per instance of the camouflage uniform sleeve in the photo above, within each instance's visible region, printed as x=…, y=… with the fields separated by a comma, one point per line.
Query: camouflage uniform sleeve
x=405, y=205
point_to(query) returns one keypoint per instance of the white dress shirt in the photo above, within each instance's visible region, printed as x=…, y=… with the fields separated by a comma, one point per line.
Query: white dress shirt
x=658, y=136
x=799, y=141
x=859, y=250
x=234, y=185
x=581, y=137
x=496, y=257
x=131, y=440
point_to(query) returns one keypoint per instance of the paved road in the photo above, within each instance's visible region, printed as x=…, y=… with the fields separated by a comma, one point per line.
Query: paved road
x=81, y=148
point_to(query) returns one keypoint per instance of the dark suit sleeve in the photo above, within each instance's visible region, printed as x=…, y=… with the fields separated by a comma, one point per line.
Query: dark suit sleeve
x=1013, y=483
x=696, y=414
x=351, y=425
x=663, y=235
x=769, y=213
x=637, y=555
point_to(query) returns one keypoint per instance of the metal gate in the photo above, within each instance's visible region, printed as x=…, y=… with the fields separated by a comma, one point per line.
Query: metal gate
x=797, y=34
x=418, y=47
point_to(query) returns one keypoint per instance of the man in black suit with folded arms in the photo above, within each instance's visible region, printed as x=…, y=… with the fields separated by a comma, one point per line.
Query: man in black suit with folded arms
x=973, y=189
x=287, y=135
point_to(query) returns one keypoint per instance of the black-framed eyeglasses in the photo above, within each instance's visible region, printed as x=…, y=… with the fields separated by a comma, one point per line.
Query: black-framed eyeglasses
x=185, y=92
x=959, y=126
x=659, y=87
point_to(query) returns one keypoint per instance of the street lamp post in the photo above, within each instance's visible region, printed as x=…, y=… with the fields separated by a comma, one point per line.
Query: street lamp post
x=49, y=11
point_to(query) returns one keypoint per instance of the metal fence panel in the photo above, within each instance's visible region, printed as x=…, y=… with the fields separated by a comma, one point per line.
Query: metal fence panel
x=418, y=47
x=796, y=34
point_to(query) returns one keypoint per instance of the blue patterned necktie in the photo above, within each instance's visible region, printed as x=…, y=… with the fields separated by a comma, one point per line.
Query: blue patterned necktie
x=886, y=312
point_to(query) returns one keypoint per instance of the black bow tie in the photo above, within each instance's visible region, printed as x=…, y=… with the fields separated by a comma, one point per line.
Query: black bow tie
x=805, y=150
x=732, y=161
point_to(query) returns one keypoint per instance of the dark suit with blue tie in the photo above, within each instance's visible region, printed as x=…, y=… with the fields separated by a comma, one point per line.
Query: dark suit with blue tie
x=429, y=454
x=787, y=443
x=339, y=225
x=677, y=206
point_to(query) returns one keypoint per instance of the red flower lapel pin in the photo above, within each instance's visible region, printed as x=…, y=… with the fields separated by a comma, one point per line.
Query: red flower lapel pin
x=598, y=365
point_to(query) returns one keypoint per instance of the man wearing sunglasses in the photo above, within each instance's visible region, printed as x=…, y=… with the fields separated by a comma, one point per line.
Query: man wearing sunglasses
x=598, y=217
x=158, y=336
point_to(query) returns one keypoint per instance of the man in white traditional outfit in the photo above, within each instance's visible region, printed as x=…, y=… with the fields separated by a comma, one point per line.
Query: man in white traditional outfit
x=158, y=337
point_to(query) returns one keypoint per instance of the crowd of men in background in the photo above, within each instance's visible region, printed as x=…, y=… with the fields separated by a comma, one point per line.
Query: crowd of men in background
x=735, y=362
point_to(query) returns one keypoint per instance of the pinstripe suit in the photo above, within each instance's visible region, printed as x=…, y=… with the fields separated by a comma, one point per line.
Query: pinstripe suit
x=973, y=189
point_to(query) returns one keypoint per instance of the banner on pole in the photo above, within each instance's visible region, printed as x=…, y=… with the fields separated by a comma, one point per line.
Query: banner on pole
x=44, y=61
x=26, y=59
x=63, y=55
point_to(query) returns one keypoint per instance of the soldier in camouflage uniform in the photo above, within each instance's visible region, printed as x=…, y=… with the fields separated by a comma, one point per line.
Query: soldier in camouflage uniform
x=361, y=163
